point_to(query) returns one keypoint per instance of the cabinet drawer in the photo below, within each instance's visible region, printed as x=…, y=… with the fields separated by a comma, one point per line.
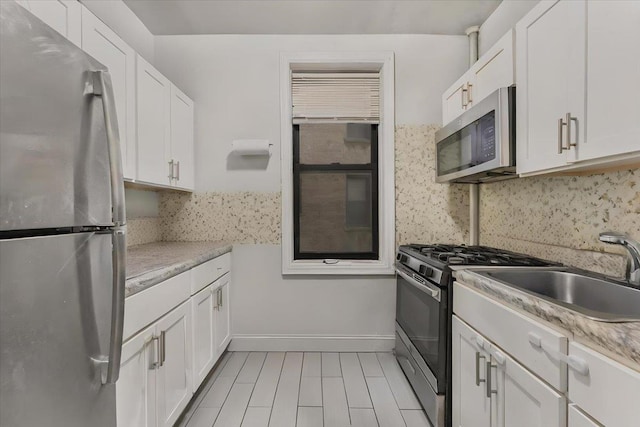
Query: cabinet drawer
x=145, y=307
x=208, y=272
x=510, y=330
x=609, y=392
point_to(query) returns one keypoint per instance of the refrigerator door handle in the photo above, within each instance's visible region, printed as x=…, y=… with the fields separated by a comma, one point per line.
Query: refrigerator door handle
x=117, y=305
x=103, y=88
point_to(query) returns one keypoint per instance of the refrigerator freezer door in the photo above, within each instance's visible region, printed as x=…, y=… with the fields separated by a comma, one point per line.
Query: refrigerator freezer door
x=54, y=154
x=55, y=327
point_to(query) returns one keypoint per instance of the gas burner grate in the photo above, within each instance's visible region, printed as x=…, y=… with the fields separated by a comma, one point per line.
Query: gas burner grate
x=475, y=255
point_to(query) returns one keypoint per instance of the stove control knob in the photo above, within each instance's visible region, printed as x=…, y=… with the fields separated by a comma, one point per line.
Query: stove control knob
x=426, y=271
x=398, y=255
x=402, y=258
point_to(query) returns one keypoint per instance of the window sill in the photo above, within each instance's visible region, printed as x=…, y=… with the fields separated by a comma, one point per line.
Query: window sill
x=342, y=267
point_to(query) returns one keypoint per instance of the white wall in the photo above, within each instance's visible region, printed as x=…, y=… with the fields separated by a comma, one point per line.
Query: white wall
x=501, y=20
x=125, y=23
x=234, y=81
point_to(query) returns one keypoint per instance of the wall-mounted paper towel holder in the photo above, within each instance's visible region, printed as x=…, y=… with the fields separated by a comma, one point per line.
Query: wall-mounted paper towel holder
x=251, y=147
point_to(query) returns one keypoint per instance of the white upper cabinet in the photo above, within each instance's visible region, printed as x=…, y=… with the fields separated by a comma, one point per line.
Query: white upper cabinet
x=495, y=69
x=182, y=139
x=64, y=16
x=573, y=67
x=104, y=45
x=613, y=83
x=154, y=125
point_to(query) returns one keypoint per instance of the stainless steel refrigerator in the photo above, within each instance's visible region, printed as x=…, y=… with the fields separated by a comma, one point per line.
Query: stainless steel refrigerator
x=62, y=231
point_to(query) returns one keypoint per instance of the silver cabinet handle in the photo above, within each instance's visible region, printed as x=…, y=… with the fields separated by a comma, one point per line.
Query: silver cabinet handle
x=156, y=363
x=488, y=373
x=570, y=119
x=178, y=170
x=464, y=92
x=171, y=176
x=219, y=297
x=103, y=88
x=560, y=126
x=478, y=357
x=163, y=347
x=469, y=99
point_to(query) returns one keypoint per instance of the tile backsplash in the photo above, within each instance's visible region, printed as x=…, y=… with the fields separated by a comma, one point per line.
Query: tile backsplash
x=560, y=217
x=143, y=230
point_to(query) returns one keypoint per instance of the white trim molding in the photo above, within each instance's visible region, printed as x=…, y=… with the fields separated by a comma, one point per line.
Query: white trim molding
x=338, y=61
x=366, y=343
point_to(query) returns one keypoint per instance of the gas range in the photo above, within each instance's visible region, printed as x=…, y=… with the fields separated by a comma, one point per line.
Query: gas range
x=424, y=302
x=446, y=255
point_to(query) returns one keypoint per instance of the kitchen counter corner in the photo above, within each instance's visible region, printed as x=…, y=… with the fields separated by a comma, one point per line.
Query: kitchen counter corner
x=152, y=263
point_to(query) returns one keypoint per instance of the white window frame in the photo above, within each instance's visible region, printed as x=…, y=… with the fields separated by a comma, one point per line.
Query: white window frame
x=360, y=61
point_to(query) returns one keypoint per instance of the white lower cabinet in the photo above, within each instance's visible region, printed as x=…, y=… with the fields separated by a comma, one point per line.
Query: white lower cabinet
x=136, y=387
x=577, y=418
x=223, y=315
x=174, y=386
x=202, y=312
x=492, y=389
x=471, y=408
x=155, y=372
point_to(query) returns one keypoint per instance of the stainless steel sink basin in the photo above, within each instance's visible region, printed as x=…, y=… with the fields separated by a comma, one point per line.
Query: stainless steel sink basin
x=595, y=298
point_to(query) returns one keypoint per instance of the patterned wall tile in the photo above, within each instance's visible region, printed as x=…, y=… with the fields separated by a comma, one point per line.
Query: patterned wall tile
x=143, y=230
x=239, y=217
x=426, y=211
x=564, y=214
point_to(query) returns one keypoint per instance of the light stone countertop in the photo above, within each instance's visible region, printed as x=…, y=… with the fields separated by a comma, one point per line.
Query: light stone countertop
x=152, y=263
x=620, y=341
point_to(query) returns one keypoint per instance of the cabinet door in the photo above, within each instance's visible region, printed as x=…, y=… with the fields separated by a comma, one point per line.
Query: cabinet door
x=519, y=398
x=223, y=315
x=154, y=129
x=578, y=419
x=174, y=388
x=471, y=407
x=454, y=101
x=550, y=80
x=613, y=86
x=103, y=44
x=202, y=315
x=136, y=387
x=64, y=16
x=494, y=70
x=182, y=138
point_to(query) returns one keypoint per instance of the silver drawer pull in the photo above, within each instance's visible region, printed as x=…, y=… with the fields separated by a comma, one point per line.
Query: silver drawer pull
x=478, y=357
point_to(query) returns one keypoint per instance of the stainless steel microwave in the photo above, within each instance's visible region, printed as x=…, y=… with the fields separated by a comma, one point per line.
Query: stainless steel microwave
x=479, y=146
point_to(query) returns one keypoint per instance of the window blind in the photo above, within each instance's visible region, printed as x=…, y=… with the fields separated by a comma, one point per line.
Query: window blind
x=346, y=97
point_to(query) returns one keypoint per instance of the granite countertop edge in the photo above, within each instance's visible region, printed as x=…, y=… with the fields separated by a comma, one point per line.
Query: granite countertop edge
x=620, y=341
x=179, y=264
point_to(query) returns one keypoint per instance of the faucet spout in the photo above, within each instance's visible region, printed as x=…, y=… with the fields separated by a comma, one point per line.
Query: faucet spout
x=633, y=248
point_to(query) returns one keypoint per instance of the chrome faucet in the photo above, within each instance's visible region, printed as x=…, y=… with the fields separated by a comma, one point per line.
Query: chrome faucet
x=633, y=261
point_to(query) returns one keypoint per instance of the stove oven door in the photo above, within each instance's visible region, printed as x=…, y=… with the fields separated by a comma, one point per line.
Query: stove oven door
x=421, y=310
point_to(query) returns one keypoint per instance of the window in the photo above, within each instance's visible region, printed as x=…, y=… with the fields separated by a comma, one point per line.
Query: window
x=335, y=182
x=338, y=198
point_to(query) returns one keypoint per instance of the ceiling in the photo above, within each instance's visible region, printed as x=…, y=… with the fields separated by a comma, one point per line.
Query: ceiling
x=311, y=16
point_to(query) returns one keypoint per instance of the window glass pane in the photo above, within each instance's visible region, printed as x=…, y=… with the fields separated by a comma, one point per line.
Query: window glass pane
x=335, y=212
x=343, y=143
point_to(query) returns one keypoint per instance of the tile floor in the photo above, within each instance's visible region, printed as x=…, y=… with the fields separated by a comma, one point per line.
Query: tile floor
x=306, y=390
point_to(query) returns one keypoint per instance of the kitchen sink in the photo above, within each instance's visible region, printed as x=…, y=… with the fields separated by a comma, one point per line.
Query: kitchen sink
x=596, y=298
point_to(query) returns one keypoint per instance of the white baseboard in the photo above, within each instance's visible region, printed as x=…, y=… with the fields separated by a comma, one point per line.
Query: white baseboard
x=312, y=343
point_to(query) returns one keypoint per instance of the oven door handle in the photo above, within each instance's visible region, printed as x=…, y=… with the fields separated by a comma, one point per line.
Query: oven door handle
x=427, y=288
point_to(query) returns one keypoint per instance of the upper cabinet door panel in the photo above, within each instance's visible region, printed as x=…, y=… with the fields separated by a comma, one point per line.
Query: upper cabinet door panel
x=182, y=138
x=544, y=66
x=494, y=70
x=152, y=104
x=613, y=83
x=103, y=44
x=64, y=16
